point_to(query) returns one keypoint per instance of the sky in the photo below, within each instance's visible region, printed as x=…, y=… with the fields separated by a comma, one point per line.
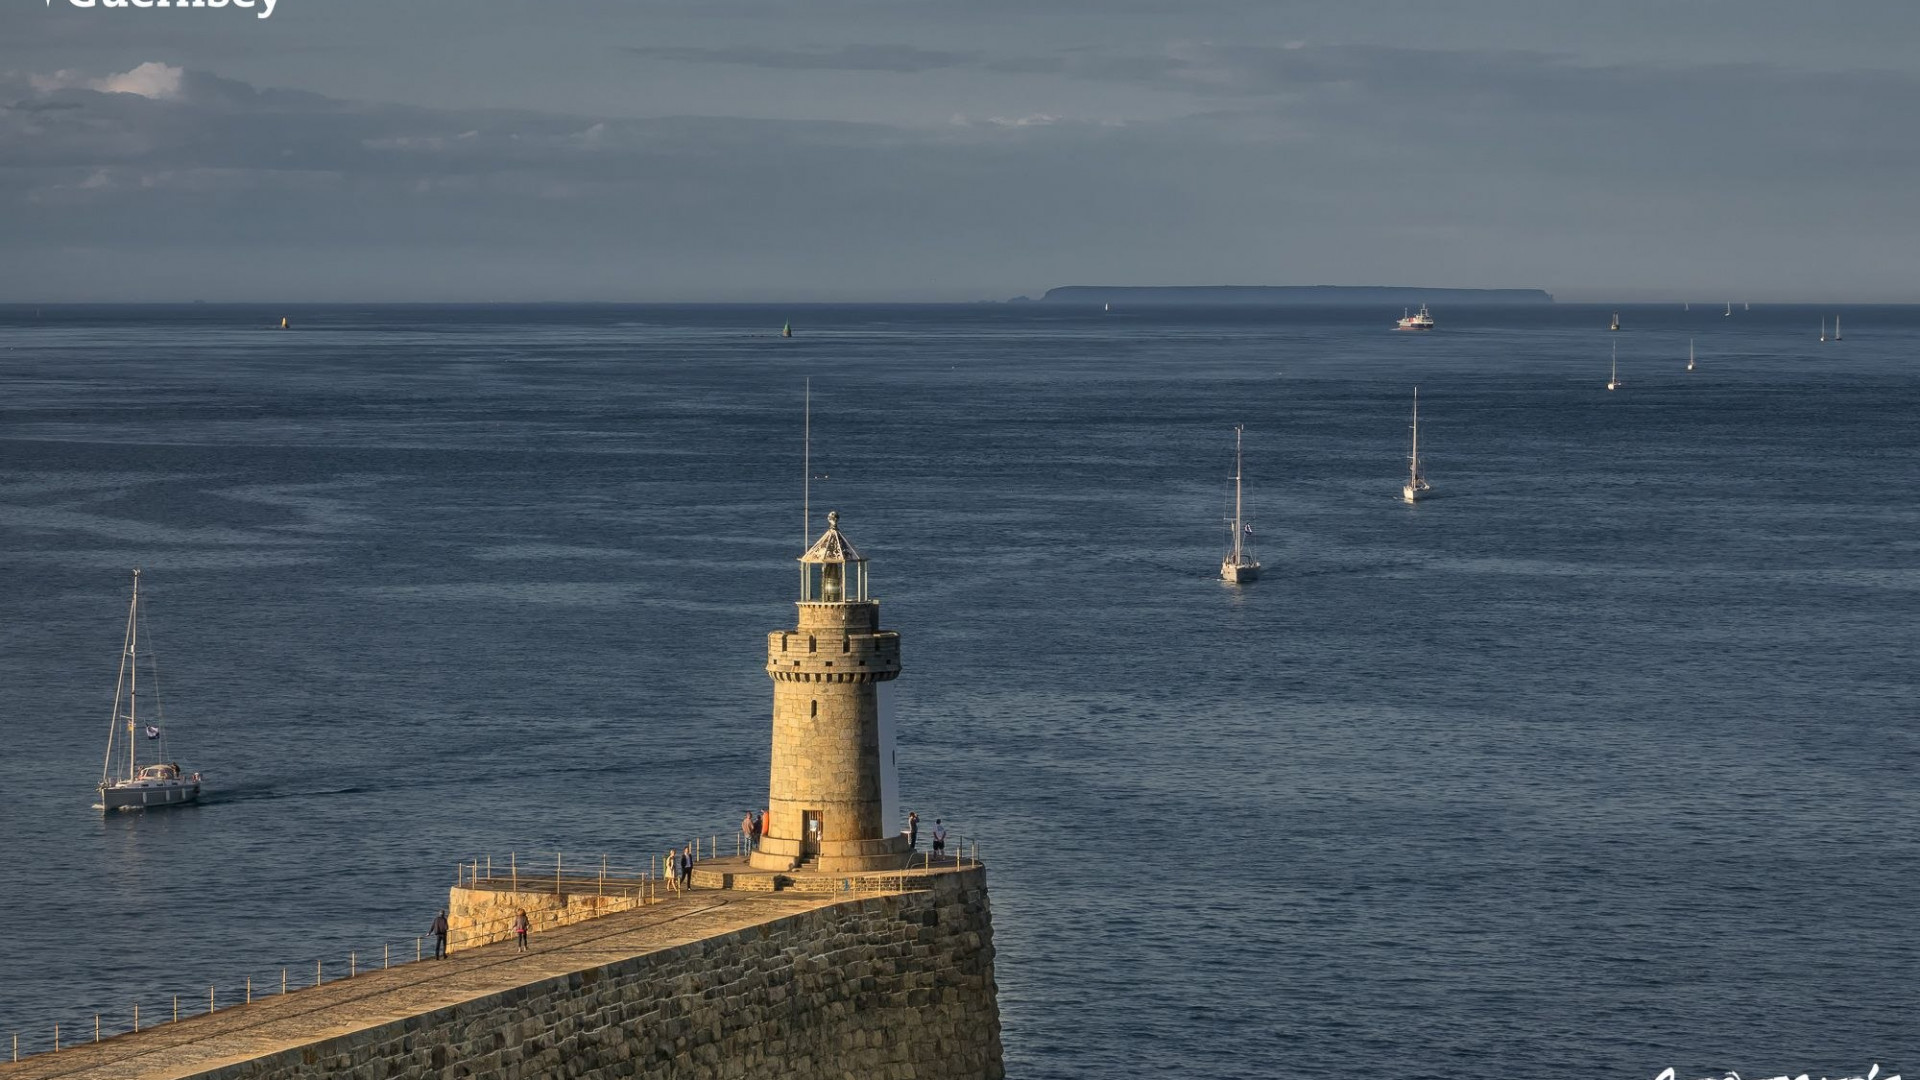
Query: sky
x=903, y=150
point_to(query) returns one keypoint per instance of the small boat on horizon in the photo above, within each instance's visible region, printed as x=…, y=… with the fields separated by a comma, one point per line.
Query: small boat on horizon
x=1613, y=379
x=1823, y=328
x=1239, y=567
x=1416, y=487
x=1729, y=312
x=787, y=330
x=1421, y=321
x=283, y=322
x=1616, y=322
x=137, y=786
x=1836, y=328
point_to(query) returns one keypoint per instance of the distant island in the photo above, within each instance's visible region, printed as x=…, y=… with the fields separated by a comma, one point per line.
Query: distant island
x=1325, y=295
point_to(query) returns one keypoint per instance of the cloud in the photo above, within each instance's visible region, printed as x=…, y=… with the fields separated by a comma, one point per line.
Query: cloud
x=154, y=80
x=903, y=59
x=1288, y=164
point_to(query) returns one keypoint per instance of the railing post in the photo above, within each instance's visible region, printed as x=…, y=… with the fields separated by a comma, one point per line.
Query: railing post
x=283, y=980
x=603, y=875
x=513, y=867
x=96, y=1027
x=353, y=965
x=416, y=950
x=489, y=866
x=136, y=1016
x=386, y=957
x=56, y=1038
x=316, y=973
x=176, y=1008
x=556, y=873
x=249, y=989
x=210, y=1005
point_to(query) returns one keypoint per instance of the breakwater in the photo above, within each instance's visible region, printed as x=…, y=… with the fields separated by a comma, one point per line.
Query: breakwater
x=711, y=983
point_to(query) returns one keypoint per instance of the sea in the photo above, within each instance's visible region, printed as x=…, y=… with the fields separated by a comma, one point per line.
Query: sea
x=1599, y=762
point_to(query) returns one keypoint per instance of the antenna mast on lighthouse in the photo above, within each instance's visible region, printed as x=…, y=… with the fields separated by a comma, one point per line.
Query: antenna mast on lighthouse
x=806, y=469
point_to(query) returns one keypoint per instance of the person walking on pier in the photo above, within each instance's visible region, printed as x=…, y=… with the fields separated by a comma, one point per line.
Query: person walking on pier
x=939, y=838
x=519, y=928
x=686, y=867
x=439, y=932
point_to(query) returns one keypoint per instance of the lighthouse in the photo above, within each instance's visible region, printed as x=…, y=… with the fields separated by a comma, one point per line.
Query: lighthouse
x=824, y=796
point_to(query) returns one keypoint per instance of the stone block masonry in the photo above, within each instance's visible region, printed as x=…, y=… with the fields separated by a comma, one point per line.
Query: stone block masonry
x=714, y=985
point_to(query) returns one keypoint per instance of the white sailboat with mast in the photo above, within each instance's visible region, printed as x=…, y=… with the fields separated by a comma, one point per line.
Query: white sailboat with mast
x=1613, y=379
x=1416, y=487
x=1836, y=328
x=136, y=786
x=1689, y=354
x=1239, y=566
x=1823, y=328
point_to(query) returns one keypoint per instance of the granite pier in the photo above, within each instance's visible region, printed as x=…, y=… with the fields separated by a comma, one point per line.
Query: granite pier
x=825, y=980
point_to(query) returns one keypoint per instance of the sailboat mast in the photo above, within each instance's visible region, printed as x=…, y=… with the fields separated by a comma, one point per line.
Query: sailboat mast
x=119, y=684
x=1413, y=459
x=1237, y=528
x=133, y=672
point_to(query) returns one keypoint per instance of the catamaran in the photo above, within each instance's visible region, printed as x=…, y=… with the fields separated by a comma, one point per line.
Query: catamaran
x=1239, y=566
x=1416, y=487
x=1613, y=380
x=135, y=786
x=1689, y=354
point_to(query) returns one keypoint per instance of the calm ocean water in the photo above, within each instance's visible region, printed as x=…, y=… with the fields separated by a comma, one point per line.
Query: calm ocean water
x=1602, y=761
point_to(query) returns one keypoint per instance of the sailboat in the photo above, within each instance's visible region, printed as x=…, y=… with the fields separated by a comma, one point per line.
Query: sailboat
x=1416, y=487
x=1823, y=328
x=1613, y=380
x=1616, y=321
x=1239, y=566
x=1836, y=328
x=1689, y=354
x=1106, y=307
x=787, y=330
x=283, y=322
x=132, y=785
x=1729, y=312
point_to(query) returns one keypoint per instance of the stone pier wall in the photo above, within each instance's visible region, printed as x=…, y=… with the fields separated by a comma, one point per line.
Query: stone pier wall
x=886, y=987
x=480, y=915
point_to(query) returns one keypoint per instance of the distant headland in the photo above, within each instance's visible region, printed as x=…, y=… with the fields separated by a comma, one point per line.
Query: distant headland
x=1288, y=294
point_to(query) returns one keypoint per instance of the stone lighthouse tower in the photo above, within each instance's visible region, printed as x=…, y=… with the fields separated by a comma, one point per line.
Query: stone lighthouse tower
x=824, y=798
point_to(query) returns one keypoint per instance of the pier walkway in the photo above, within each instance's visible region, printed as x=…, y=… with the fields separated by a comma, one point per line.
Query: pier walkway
x=303, y=1017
